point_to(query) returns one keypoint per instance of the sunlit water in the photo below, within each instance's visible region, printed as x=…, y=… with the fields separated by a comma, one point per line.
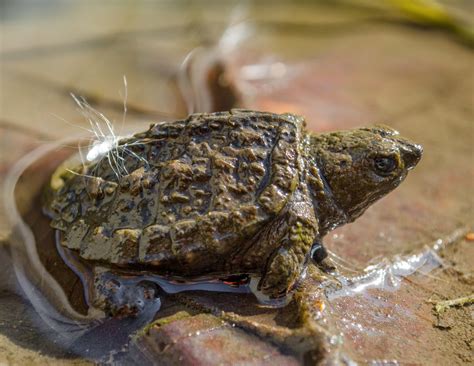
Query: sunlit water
x=98, y=337
x=82, y=334
x=94, y=335
x=378, y=302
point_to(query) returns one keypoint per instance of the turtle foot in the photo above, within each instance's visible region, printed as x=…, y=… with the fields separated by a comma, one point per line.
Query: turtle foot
x=122, y=296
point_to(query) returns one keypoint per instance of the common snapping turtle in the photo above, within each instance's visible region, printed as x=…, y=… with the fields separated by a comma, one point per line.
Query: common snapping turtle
x=228, y=193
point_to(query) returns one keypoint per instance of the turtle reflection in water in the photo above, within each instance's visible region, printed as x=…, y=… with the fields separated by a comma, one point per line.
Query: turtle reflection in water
x=220, y=194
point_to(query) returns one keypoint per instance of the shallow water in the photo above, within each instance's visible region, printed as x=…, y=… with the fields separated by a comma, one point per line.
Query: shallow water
x=79, y=328
x=373, y=314
x=53, y=280
x=53, y=292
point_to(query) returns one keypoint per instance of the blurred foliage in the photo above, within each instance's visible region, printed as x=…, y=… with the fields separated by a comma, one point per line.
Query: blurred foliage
x=453, y=17
x=432, y=13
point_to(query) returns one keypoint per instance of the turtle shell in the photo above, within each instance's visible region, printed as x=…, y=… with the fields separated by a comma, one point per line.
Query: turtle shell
x=186, y=191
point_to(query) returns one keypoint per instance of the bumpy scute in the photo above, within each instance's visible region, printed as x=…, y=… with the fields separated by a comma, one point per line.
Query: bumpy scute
x=198, y=188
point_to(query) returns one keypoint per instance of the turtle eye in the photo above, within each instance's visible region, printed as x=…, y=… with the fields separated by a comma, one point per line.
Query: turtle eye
x=384, y=165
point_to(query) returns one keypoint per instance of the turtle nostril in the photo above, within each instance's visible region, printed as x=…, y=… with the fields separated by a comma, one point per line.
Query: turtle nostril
x=412, y=155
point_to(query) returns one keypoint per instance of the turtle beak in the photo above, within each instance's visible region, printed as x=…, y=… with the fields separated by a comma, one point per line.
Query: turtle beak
x=411, y=154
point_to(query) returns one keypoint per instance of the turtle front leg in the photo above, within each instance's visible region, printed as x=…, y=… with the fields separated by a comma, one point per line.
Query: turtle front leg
x=287, y=263
x=122, y=296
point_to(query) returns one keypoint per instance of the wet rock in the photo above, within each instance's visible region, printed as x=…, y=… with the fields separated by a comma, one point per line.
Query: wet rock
x=339, y=70
x=389, y=77
x=201, y=340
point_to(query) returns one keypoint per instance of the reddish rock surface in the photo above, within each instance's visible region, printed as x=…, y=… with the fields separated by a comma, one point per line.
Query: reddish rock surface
x=339, y=66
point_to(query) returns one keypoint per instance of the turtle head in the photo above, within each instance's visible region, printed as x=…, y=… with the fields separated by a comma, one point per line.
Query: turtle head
x=360, y=166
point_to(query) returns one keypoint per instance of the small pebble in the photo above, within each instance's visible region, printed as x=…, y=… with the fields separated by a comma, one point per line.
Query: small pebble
x=470, y=236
